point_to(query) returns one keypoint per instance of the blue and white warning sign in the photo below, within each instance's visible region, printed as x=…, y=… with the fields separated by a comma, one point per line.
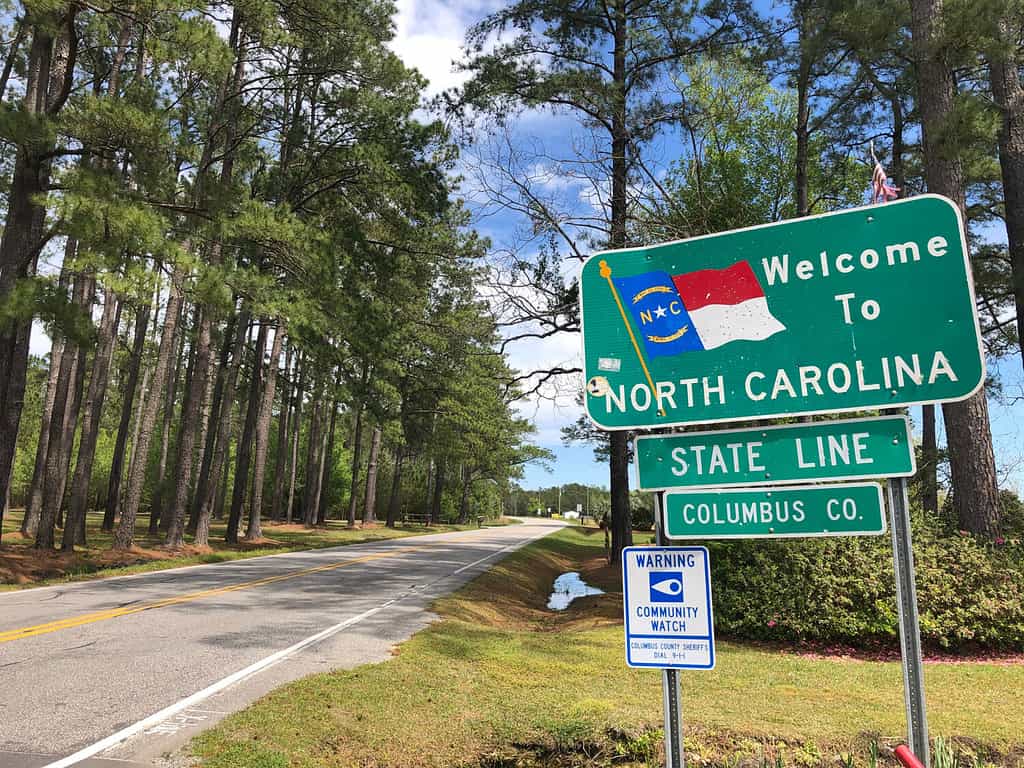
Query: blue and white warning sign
x=667, y=604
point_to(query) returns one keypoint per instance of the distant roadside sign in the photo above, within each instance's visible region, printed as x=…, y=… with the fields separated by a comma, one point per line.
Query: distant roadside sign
x=865, y=308
x=853, y=509
x=667, y=606
x=851, y=449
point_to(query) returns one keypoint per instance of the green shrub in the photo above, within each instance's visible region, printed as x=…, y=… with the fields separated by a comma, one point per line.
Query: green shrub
x=641, y=511
x=1012, y=519
x=970, y=594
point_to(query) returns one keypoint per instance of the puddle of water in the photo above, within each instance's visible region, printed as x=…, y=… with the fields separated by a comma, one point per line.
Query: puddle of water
x=567, y=588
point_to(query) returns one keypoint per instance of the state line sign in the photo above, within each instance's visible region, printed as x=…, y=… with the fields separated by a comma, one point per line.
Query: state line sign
x=846, y=449
x=871, y=307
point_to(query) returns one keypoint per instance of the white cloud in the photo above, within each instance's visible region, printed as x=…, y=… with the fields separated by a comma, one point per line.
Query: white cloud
x=429, y=37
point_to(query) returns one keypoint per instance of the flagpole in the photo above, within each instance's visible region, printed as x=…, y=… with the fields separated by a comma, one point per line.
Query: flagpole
x=606, y=273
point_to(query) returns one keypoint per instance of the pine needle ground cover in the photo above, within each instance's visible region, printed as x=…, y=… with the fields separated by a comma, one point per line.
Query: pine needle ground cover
x=21, y=565
x=501, y=681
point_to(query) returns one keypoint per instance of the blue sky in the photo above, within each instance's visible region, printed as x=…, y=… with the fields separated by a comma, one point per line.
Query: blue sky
x=430, y=35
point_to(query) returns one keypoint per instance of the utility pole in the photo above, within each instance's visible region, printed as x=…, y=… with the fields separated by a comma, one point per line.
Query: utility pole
x=559, y=501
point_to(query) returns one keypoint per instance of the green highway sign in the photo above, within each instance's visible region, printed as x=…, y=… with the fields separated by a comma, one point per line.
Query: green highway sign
x=866, y=308
x=748, y=513
x=852, y=449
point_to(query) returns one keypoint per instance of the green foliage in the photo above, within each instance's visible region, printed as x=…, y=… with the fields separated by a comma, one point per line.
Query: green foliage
x=641, y=509
x=32, y=411
x=738, y=171
x=1012, y=521
x=971, y=594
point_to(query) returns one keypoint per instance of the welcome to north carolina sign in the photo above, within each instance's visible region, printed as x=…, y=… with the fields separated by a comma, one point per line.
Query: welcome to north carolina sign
x=867, y=308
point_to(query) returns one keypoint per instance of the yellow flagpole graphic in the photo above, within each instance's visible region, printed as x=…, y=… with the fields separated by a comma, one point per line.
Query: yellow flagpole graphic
x=606, y=273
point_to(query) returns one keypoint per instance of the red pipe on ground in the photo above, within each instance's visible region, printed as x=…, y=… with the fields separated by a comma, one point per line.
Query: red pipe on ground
x=908, y=758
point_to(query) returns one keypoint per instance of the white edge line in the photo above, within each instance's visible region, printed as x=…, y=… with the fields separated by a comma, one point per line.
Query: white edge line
x=158, y=717
x=509, y=548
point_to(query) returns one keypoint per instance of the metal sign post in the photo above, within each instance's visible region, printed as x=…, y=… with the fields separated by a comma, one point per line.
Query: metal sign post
x=910, y=630
x=671, y=702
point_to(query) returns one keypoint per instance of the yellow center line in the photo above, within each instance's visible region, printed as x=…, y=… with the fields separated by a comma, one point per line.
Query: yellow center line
x=112, y=613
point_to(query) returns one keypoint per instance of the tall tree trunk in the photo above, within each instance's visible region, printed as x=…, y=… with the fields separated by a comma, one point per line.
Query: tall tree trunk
x=30, y=522
x=622, y=531
x=395, y=501
x=49, y=74
x=12, y=398
x=124, y=536
x=323, y=497
x=170, y=396
x=254, y=530
x=357, y=449
x=464, y=497
x=67, y=443
x=195, y=403
x=207, y=491
x=296, y=432
x=212, y=375
x=124, y=426
x=309, y=509
x=803, y=112
x=245, y=442
x=1009, y=98
x=370, y=503
x=74, y=406
x=62, y=405
x=968, y=433
x=166, y=517
x=222, y=493
x=91, y=418
x=435, y=502
x=280, y=459
x=431, y=475
x=140, y=406
x=928, y=471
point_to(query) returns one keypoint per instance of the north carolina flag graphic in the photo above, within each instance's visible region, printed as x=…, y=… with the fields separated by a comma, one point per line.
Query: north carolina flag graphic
x=698, y=310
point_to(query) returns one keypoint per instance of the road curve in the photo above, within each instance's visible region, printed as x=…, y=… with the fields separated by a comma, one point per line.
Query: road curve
x=122, y=671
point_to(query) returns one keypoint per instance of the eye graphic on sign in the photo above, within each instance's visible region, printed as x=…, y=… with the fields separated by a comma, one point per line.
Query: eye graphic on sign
x=669, y=587
x=666, y=587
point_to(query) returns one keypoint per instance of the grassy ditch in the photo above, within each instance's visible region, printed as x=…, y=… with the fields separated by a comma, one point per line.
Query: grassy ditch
x=21, y=565
x=503, y=682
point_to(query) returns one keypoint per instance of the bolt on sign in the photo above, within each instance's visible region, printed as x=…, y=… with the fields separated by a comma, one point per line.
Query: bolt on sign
x=850, y=449
x=854, y=509
x=865, y=308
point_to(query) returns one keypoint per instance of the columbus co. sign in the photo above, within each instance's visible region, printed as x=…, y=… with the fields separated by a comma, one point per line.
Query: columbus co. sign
x=866, y=308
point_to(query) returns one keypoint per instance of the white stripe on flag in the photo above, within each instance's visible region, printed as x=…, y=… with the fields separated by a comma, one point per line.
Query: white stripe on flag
x=750, y=320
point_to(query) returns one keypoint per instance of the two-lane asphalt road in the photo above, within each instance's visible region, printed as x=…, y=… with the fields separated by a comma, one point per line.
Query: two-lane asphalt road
x=127, y=669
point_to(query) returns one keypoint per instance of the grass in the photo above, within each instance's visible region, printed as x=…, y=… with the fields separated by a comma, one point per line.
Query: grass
x=22, y=566
x=501, y=681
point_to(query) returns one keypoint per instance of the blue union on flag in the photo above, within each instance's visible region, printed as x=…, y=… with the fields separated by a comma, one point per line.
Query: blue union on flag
x=699, y=310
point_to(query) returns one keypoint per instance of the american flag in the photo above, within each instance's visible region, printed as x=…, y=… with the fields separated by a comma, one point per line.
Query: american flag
x=881, y=190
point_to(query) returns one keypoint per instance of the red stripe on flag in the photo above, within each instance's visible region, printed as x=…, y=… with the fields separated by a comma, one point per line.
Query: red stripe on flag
x=731, y=285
